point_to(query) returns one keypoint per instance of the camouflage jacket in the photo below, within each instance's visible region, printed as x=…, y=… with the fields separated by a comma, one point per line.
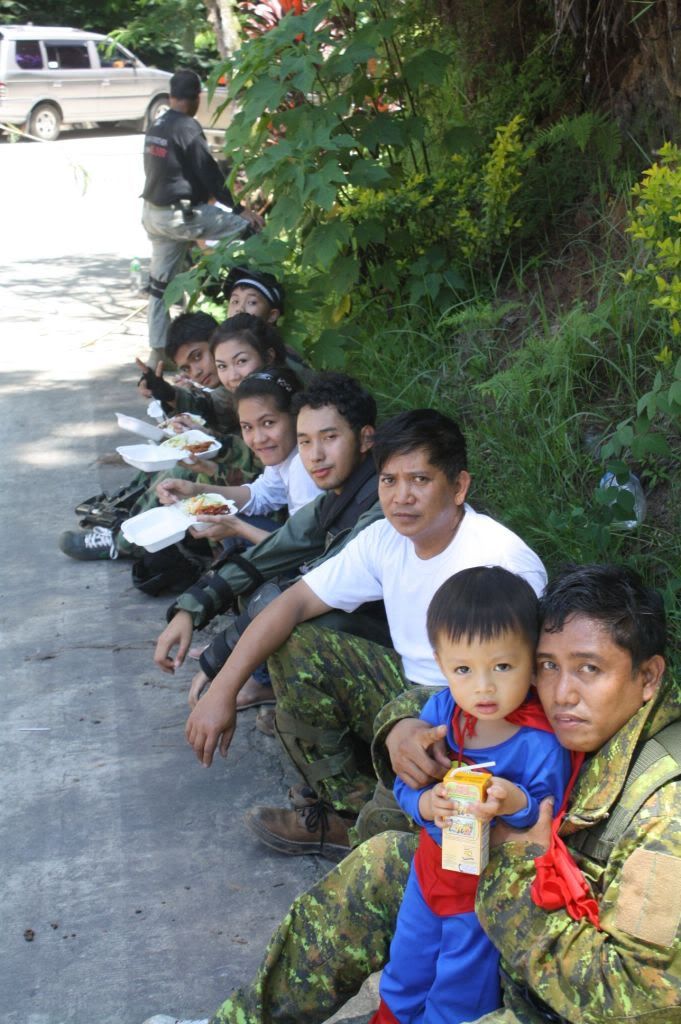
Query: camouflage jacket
x=631, y=970
x=216, y=407
x=235, y=464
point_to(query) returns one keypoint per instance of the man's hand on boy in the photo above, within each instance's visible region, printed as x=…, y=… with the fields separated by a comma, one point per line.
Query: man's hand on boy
x=417, y=751
x=212, y=722
x=170, y=491
x=178, y=633
x=502, y=797
x=199, y=684
x=538, y=834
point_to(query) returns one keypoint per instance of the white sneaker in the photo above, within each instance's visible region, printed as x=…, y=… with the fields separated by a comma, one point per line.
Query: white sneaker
x=162, y=1018
x=89, y=546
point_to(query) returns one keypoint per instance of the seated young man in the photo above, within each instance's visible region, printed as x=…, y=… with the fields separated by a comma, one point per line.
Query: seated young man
x=335, y=428
x=600, y=678
x=329, y=687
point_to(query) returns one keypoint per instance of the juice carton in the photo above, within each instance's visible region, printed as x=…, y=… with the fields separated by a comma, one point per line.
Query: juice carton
x=465, y=841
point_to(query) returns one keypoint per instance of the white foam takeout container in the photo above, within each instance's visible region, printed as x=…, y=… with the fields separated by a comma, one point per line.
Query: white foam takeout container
x=194, y=437
x=158, y=528
x=169, y=432
x=153, y=458
x=139, y=427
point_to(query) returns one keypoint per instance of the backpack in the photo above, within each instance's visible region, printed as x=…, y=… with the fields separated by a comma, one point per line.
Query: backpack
x=598, y=842
x=172, y=569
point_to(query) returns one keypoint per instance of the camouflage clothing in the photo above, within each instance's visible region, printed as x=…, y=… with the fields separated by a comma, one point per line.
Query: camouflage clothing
x=329, y=687
x=217, y=407
x=235, y=464
x=334, y=936
x=631, y=970
x=339, y=932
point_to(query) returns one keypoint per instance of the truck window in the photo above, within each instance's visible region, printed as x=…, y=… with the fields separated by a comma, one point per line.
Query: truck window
x=27, y=54
x=70, y=56
x=112, y=56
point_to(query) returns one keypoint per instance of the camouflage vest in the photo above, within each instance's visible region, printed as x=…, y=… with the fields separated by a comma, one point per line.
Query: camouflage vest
x=597, y=843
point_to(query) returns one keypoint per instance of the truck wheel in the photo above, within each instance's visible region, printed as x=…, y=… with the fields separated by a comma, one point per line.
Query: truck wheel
x=156, y=108
x=45, y=122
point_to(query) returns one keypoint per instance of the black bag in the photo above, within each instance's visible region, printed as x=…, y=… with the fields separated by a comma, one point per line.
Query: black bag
x=110, y=510
x=171, y=570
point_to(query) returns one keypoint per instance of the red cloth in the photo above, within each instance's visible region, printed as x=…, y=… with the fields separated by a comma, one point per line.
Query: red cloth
x=445, y=892
x=558, y=882
x=384, y=1015
x=530, y=713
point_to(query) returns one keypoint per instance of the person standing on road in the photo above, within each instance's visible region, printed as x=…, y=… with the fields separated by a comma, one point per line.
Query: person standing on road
x=182, y=185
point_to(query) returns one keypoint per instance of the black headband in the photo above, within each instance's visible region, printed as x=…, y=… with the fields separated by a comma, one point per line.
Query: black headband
x=279, y=381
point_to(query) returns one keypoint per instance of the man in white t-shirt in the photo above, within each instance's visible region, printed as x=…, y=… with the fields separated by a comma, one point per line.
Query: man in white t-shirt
x=330, y=686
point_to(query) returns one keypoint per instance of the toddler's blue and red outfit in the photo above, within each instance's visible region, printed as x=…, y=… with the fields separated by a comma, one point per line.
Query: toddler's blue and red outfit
x=443, y=969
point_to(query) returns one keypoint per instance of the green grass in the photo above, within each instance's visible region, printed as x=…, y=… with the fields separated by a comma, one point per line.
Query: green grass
x=539, y=382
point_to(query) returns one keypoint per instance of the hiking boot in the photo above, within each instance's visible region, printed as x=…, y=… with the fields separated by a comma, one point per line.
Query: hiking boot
x=89, y=546
x=301, y=795
x=313, y=829
x=163, y=1018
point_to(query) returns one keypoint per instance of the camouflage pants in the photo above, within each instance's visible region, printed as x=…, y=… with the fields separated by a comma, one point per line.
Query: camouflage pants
x=334, y=936
x=329, y=687
x=501, y=1016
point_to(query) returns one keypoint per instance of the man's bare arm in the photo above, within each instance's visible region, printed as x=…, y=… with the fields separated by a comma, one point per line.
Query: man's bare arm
x=213, y=720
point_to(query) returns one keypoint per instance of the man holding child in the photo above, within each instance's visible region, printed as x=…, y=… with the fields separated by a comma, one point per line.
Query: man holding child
x=600, y=677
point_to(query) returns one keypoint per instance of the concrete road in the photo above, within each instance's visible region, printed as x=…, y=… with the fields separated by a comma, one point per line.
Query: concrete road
x=130, y=885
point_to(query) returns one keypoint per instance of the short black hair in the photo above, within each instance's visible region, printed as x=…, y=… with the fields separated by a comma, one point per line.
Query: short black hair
x=277, y=382
x=185, y=85
x=255, y=332
x=482, y=603
x=188, y=327
x=617, y=598
x=422, y=428
x=344, y=393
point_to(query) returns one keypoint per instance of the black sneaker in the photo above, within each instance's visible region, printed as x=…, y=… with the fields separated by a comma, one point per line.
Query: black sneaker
x=89, y=546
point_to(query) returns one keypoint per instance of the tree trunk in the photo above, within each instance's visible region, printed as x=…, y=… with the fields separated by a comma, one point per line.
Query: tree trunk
x=222, y=16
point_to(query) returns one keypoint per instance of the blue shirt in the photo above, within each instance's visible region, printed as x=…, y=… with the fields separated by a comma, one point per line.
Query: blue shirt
x=532, y=759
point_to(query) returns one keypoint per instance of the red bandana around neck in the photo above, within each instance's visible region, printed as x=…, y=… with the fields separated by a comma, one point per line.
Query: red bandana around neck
x=558, y=882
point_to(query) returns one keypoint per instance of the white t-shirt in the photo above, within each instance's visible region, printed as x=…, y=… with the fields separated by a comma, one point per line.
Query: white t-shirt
x=381, y=563
x=286, y=484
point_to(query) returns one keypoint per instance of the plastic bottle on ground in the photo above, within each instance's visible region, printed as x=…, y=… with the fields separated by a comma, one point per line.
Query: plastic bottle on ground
x=135, y=275
x=633, y=485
